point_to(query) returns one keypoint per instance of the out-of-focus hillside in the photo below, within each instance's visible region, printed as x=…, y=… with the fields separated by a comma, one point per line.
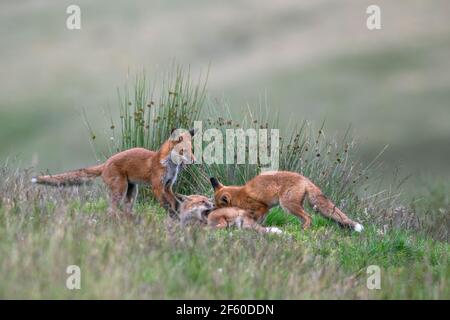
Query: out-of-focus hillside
x=312, y=60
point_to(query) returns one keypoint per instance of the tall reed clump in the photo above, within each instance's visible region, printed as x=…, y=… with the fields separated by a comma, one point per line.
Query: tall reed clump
x=149, y=111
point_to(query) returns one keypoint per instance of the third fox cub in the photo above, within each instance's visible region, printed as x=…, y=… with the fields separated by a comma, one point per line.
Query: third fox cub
x=284, y=188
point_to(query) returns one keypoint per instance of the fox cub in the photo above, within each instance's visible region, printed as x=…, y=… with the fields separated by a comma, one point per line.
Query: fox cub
x=284, y=188
x=198, y=209
x=123, y=172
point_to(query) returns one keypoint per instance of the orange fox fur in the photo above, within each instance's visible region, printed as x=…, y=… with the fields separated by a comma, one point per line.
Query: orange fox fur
x=123, y=172
x=284, y=188
x=235, y=217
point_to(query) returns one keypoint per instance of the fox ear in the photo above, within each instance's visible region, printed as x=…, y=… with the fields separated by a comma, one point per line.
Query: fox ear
x=173, y=130
x=215, y=183
x=193, y=132
x=225, y=199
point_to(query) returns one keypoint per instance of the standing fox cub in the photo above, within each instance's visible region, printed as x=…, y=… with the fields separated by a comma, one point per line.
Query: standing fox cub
x=123, y=171
x=284, y=188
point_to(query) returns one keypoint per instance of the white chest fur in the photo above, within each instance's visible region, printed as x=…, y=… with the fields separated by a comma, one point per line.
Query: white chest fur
x=172, y=171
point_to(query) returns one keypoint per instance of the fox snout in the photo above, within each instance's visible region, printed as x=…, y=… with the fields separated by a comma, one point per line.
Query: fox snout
x=209, y=206
x=182, y=159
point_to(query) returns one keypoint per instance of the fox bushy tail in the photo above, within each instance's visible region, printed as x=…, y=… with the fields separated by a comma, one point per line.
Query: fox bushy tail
x=71, y=178
x=328, y=209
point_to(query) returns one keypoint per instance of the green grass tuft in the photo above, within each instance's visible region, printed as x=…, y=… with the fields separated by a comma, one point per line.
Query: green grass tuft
x=43, y=230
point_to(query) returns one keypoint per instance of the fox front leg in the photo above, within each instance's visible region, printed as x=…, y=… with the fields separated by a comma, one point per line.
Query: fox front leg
x=171, y=204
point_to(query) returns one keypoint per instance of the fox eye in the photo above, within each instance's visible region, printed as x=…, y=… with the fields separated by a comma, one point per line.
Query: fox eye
x=181, y=152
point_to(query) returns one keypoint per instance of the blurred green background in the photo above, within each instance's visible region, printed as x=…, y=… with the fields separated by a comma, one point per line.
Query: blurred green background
x=311, y=60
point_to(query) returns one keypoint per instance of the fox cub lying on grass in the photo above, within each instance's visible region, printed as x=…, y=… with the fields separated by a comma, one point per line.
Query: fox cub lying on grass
x=123, y=172
x=199, y=209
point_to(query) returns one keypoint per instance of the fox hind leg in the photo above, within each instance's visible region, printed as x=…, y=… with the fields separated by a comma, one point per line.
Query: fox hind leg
x=130, y=199
x=117, y=191
x=293, y=205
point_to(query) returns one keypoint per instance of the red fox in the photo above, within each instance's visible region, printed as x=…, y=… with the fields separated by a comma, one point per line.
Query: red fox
x=199, y=209
x=284, y=188
x=123, y=172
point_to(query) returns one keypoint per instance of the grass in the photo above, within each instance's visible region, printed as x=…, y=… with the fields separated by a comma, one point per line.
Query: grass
x=395, y=92
x=43, y=230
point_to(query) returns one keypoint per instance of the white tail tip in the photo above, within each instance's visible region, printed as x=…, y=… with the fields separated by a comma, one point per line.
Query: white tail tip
x=358, y=227
x=33, y=180
x=274, y=230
